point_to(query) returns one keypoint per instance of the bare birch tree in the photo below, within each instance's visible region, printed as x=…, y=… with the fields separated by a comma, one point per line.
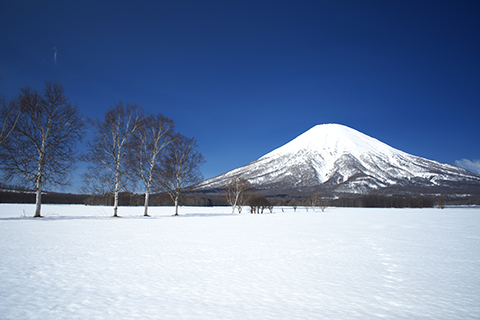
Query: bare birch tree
x=235, y=192
x=313, y=200
x=41, y=147
x=180, y=167
x=107, y=150
x=153, y=134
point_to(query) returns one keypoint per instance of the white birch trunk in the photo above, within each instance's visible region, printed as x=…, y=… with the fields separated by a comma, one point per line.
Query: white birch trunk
x=38, y=200
x=237, y=195
x=176, y=205
x=115, y=202
x=147, y=188
x=147, y=196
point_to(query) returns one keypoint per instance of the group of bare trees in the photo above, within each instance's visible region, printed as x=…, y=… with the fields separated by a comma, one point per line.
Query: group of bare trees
x=40, y=132
x=130, y=145
x=239, y=192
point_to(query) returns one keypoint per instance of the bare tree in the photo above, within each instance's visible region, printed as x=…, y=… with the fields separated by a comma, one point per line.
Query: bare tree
x=41, y=147
x=294, y=204
x=258, y=203
x=153, y=134
x=180, y=167
x=235, y=192
x=312, y=200
x=107, y=150
x=10, y=113
x=441, y=202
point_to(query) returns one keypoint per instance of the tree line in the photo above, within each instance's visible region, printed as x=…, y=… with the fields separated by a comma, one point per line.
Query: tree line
x=129, y=148
x=238, y=193
x=380, y=201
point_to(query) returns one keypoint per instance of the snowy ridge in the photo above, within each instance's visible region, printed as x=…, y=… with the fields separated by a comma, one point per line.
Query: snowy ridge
x=343, y=160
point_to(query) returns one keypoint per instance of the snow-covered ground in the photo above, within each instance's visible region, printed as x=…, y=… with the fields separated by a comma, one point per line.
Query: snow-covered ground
x=78, y=263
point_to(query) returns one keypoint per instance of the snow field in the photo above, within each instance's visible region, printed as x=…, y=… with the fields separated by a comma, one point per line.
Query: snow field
x=344, y=263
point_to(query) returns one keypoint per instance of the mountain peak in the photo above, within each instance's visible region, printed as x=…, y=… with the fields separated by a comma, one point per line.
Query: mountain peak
x=333, y=139
x=335, y=159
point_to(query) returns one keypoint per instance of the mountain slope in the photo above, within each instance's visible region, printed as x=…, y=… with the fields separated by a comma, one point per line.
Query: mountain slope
x=340, y=160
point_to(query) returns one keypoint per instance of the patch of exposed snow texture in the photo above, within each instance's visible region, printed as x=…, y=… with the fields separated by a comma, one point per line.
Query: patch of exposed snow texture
x=344, y=263
x=345, y=159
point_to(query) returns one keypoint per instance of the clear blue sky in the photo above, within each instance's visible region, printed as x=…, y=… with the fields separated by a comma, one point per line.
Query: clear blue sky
x=245, y=77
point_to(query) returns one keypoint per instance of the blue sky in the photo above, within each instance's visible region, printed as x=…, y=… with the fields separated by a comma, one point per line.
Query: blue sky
x=245, y=77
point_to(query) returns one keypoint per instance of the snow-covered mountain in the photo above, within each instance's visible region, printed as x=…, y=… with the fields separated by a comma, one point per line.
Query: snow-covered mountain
x=336, y=159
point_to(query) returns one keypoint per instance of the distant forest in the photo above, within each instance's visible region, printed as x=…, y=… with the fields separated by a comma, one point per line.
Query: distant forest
x=15, y=194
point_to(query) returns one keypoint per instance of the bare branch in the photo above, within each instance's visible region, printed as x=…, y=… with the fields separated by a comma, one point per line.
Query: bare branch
x=10, y=113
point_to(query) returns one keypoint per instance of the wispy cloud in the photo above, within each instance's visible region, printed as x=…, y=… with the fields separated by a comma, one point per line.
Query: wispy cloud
x=55, y=55
x=472, y=165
